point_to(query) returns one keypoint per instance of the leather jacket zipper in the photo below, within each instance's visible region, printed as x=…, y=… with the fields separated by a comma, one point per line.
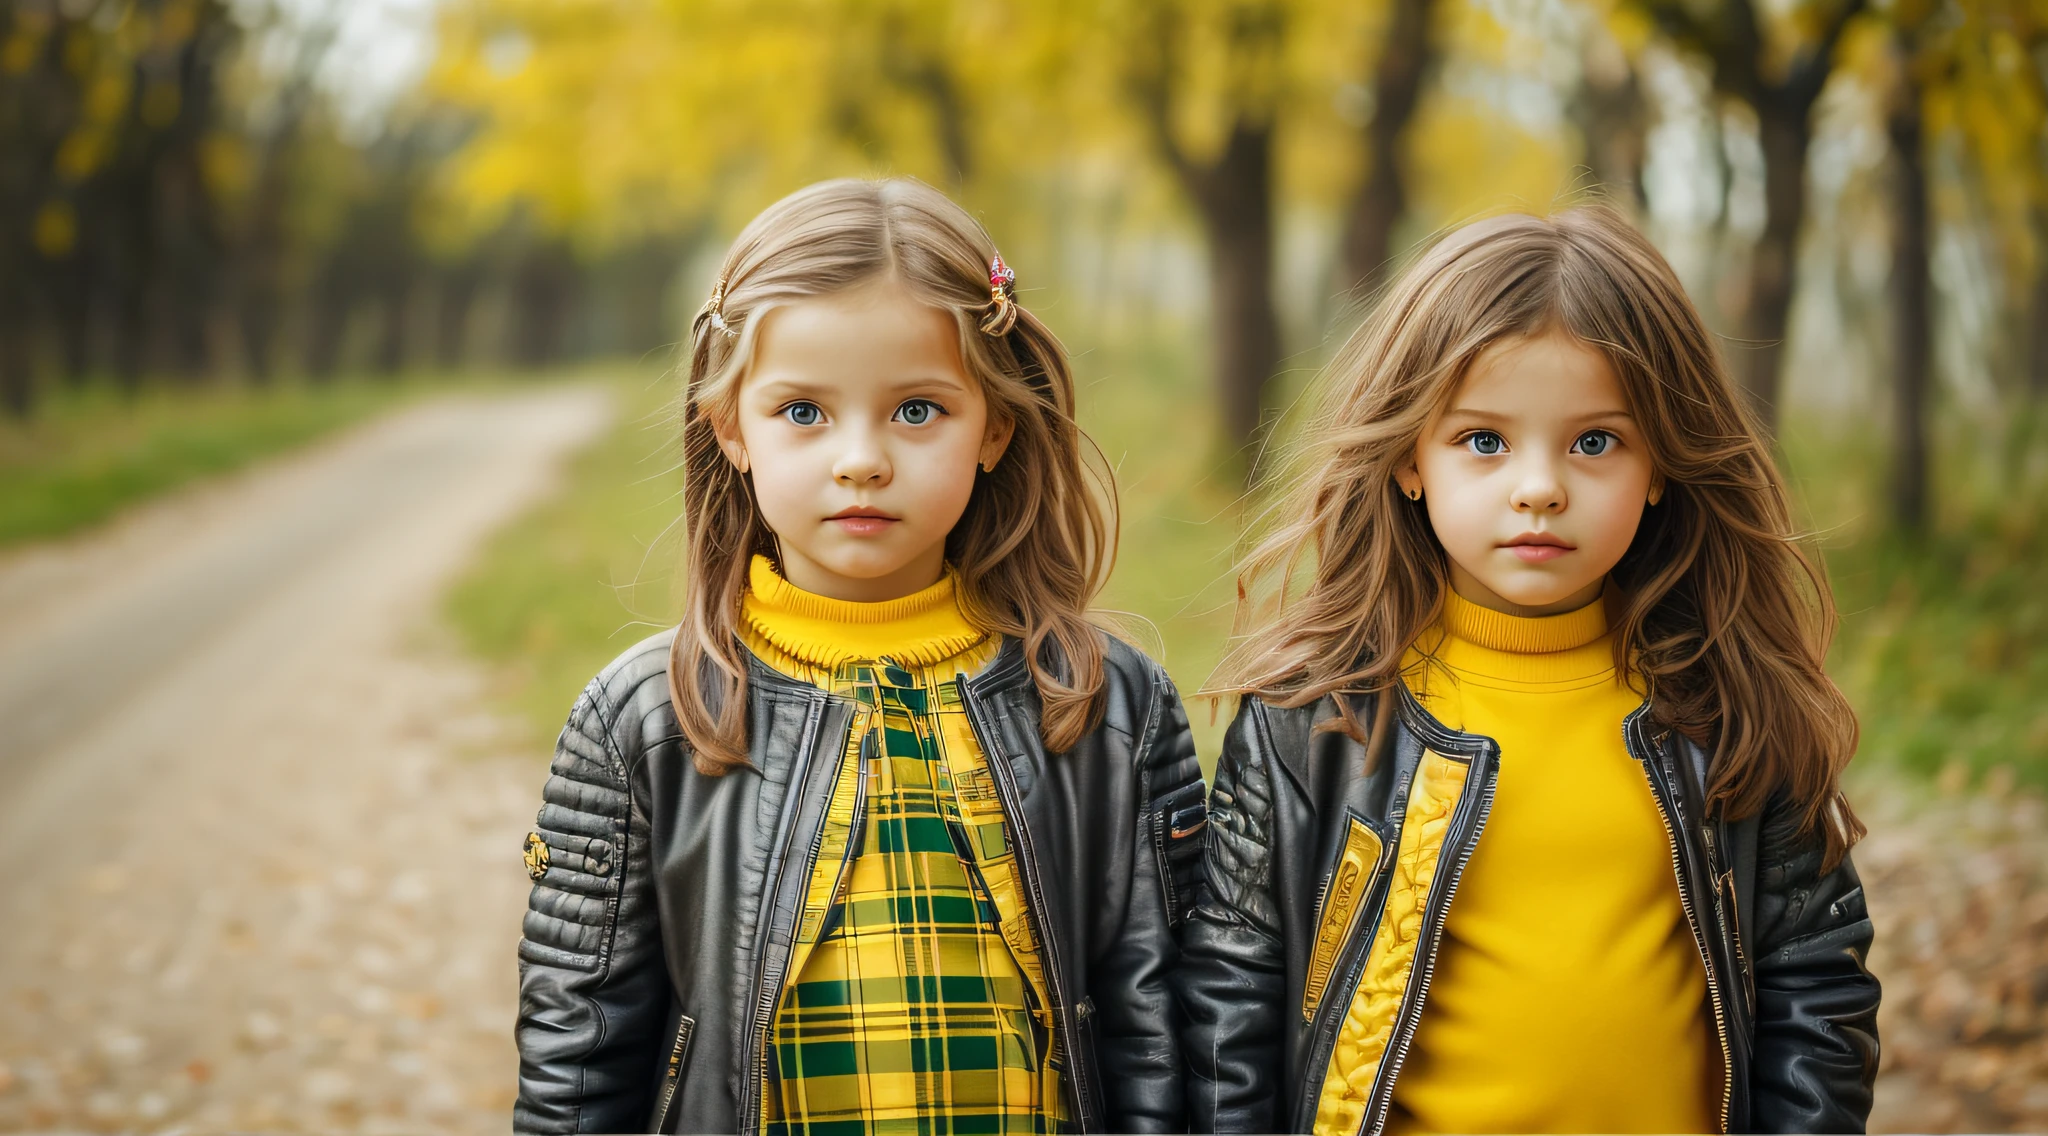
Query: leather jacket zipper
x=1436, y=911
x=1027, y=862
x=684, y=1028
x=1638, y=748
x=767, y=987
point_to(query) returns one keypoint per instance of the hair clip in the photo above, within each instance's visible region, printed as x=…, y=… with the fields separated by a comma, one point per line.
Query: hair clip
x=1002, y=298
x=716, y=306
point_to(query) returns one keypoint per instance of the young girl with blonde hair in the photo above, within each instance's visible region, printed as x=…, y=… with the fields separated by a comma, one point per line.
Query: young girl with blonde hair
x=1529, y=819
x=886, y=836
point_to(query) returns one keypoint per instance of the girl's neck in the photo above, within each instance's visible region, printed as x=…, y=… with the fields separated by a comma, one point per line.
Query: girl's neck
x=922, y=572
x=1467, y=586
x=1521, y=634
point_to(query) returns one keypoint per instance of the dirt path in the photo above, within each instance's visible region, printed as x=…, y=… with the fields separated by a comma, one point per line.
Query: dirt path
x=1958, y=887
x=260, y=835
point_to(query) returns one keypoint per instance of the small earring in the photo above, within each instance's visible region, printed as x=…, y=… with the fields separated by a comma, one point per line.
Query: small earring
x=1415, y=494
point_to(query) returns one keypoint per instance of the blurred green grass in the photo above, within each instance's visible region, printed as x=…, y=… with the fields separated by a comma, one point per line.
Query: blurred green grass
x=90, y=452
x=554, y=595
x=1943, y=646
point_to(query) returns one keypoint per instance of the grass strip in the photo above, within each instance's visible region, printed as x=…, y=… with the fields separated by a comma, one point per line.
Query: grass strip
x=89, y=453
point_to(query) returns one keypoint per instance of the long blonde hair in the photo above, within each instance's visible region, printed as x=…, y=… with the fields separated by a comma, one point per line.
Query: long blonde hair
x=1038, y=539
x=1722, y=612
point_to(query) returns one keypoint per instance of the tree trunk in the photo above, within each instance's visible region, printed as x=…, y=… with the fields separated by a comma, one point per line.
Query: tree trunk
x=394, y=292
x=327, y=318
x=260, y=267
x=1405, y=61
x=17, y=369
x=458, y=288
x=1773, y=269
x=544, y=293
x=258, y=318
x=71, y=307
x=1781, y=91
x=2037, y=362
x=1235, y=199
x=1912, y=337
x=1614, y=122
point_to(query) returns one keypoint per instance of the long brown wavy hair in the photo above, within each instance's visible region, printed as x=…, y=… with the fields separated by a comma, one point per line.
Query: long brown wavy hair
x=1038, y=539
x=1723, y=612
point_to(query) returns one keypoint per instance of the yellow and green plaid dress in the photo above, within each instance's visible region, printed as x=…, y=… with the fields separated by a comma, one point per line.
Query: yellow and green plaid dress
x=916, y=999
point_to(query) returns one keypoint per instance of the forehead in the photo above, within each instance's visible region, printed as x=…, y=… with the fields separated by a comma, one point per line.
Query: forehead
x=1553, y=375
x=873, y=333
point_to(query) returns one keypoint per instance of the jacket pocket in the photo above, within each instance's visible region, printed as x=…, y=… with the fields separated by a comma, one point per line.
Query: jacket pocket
x=672, y=1074
x=1178, y=822
x=1337, y=916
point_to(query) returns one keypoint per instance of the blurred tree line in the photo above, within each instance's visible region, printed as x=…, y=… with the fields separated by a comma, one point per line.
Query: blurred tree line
x=176, y=203
x=1872, y=171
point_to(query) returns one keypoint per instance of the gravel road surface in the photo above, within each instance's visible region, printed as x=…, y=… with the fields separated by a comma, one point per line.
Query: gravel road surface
x=259, y=831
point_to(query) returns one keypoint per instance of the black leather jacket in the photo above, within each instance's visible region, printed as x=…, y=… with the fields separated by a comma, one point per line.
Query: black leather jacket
x=660, y=928
x=1783, y=944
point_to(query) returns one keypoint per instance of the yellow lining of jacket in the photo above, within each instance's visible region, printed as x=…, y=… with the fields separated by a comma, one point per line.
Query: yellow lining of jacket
x=1368, y=1025
x=1349, y=885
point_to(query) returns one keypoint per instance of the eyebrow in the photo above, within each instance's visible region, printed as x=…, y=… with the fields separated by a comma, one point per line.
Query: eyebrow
x=1488, y=417
x=781, y=388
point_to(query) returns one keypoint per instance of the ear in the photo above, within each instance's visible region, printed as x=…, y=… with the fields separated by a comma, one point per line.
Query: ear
x=728, y=436
x=1656, y=488
x=1409, y=479
x=995, y=442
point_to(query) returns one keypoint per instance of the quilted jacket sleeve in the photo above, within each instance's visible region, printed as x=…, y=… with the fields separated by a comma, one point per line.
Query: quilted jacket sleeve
x=1232, y=978
x=1816, y=1001
x=591, y=999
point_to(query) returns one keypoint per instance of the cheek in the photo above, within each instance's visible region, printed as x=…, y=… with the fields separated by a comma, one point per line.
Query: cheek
x=1463, y=524
x=1462, y=505
x=785, y=481
x=1617, y=510
x=942, y=477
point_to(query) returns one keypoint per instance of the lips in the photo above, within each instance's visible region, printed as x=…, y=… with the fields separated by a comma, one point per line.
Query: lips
x=861, y=520
x=1535, y=547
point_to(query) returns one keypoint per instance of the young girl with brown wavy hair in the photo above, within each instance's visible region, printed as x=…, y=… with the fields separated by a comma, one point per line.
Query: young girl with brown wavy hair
x=886, y=835
x=1529, y=819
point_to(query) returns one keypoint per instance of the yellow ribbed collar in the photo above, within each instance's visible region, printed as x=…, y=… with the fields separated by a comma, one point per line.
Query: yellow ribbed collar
x=919, y=629
x=1524, y=635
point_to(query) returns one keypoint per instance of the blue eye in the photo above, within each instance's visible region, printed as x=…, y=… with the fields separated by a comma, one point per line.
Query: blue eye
x=804, y=413
x=1486, y=442
x=1593, y=443
x=918, y=411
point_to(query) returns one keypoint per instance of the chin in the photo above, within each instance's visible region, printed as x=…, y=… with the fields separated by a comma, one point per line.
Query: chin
x=862, y=567
x=1537, y=594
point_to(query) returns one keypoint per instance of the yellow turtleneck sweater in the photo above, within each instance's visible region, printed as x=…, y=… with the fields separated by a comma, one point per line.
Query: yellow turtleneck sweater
x=916, y=996
x=1569, y=994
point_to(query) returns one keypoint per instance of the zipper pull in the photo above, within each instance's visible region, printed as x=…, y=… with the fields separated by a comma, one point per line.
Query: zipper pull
x=1084, y=1009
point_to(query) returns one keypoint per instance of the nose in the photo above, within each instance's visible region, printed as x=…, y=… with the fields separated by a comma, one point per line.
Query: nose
x=1538, y=488
x=863, y=462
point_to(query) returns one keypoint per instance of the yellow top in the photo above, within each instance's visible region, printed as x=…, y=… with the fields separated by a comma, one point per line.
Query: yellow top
x=1568, y=994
